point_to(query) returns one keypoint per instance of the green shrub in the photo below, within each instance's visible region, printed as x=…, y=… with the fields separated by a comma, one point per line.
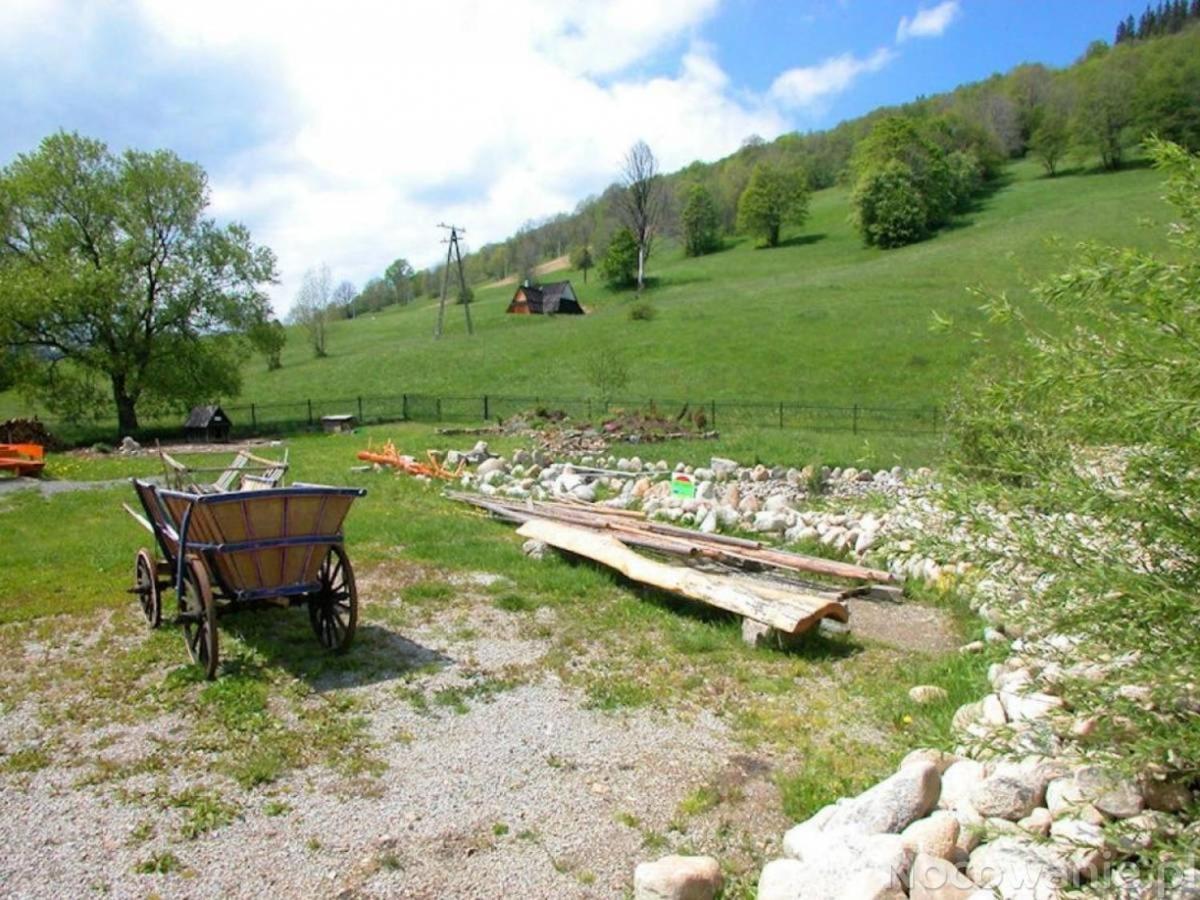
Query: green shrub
x=618, y=268
x=642, y=312
x=889, y=207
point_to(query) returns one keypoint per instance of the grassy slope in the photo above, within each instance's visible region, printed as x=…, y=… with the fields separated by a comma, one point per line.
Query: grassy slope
x=821, y=320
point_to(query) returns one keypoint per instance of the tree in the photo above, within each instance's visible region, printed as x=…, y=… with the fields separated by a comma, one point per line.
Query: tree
x=581, y=259
x=642, y=204
x=343, y=298
x=269, y=339
x=889, y=207
x=701, y=222
x=619, y=266
x=775, y=196
x=1050, y=141
x=313, y=307
x=1105, y=110
x=110, y=273
x=400, y=274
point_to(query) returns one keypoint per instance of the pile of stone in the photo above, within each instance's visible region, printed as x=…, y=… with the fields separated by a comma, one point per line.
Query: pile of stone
x=772, y=502
x=945, y=827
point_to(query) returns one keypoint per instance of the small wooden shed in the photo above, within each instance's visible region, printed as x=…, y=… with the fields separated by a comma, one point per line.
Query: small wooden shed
x=553, y=299
x=207, y=423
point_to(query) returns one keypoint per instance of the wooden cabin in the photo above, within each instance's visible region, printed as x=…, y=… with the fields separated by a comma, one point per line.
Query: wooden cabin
x=545, y=300
x=207, y=423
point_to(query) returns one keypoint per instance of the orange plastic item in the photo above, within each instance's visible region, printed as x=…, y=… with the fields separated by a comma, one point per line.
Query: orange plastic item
x=388, y=455
x=23, y=459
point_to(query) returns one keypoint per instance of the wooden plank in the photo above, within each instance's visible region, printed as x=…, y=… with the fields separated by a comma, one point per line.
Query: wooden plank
x=789, y=612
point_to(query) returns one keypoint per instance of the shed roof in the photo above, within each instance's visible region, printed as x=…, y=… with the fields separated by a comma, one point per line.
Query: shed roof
x=203, y=416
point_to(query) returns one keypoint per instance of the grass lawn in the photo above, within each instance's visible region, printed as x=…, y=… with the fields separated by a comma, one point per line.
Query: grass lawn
x=832, y=715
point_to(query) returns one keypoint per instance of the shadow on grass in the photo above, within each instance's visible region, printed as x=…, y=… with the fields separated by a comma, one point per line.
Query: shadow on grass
x=799, y=240
x=285, y=640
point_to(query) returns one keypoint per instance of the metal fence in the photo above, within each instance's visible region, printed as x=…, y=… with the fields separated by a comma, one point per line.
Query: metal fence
x=253, y=418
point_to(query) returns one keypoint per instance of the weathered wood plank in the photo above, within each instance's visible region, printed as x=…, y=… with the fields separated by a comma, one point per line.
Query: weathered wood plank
x=791, y=612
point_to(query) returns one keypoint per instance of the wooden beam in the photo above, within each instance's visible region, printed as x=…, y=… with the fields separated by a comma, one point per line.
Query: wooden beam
x=791, y=612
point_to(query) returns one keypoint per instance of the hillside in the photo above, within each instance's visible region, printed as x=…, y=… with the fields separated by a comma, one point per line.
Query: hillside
x=821, y=319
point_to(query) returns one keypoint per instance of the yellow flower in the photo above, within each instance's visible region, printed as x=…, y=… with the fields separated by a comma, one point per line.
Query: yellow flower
x=907, y=720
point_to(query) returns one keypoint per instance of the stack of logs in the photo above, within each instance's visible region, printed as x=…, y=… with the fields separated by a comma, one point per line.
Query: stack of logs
x=606, y=535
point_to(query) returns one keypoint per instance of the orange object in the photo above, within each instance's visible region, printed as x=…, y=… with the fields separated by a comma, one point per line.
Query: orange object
x=24, y=459
x=388, y=455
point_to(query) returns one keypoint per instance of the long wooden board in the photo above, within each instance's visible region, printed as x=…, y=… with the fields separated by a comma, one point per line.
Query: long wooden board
x=791, y=612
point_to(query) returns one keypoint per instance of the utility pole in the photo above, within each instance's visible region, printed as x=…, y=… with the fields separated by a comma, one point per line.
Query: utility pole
x=453, y=253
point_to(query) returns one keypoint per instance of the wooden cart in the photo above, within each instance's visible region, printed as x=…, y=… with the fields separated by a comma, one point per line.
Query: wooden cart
x=222, y=552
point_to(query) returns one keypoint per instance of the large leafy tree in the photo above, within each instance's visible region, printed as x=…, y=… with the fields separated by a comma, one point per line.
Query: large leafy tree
x=774, y=197
x=112, y=280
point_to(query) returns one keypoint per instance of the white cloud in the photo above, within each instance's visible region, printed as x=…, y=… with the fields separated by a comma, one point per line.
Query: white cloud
x=502, y=111
x=805, y=87
x=387, y=118
x=929, y=22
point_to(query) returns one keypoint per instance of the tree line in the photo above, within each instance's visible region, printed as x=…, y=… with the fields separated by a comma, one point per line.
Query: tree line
x=910, y=167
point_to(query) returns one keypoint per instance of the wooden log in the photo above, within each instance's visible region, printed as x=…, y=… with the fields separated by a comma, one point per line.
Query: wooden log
x=787, y=611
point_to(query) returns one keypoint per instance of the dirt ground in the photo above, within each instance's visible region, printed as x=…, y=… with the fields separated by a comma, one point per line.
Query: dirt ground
x=516, y=787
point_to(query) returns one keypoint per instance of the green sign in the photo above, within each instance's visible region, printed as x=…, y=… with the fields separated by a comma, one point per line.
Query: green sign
x=683, y=485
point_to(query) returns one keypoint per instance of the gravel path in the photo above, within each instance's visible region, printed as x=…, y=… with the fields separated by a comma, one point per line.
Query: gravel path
x=528, y=793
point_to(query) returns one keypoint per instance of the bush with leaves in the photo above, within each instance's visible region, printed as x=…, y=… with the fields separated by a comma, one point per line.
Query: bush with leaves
x=1096, y=418
x=889, y=208
x=775, y=196
x=618, y=268
x=701, y=222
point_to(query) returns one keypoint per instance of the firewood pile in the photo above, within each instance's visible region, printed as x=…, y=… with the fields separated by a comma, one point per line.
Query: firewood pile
x=28, y=431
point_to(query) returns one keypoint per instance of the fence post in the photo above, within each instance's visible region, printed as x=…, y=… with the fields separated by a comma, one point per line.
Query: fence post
x=855, y=425
x=360, y=415
x=404, y=408
x=439, y=409
x=310, y=421
x=713, y=418
x=253, y=418
x=781, y=415
x=485, y=408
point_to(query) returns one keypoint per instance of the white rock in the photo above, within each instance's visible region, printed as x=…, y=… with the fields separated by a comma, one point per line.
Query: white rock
x=940, y=759
x=678, y=878
x=1018, y=870
x=893, y=803
x=1082, y=847
x=933, y=878
x=927, y=693
x=830, y=861
x=958, y=781
x=936, y=835
x=495, y=464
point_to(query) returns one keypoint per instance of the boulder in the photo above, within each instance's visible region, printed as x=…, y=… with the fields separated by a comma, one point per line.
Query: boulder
x=1082, y=847
x=678, y=878
x=1114, y=796
x=927, y=693
x=1012, y=794
x=958, y=782
x=893, y=804
x=936, y=835
x=722, y=468
x=494, y=464
x=934, y=878
x=831, y=859
x=1017, y=869
x=534, y=549
x=939, y=758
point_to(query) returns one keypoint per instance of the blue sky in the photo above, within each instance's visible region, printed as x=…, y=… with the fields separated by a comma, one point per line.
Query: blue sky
x=343, y=133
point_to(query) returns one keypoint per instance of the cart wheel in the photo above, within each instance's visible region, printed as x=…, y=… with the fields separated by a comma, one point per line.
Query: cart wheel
x=333, y=609
x=200, y=626
x=145, y=585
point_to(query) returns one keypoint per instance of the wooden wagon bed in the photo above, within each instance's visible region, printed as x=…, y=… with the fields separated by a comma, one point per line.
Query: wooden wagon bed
x=222, y=551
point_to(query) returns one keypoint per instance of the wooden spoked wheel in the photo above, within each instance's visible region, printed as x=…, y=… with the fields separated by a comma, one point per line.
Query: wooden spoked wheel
x=198, y=616
x=145, y=585
x=333, y=609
